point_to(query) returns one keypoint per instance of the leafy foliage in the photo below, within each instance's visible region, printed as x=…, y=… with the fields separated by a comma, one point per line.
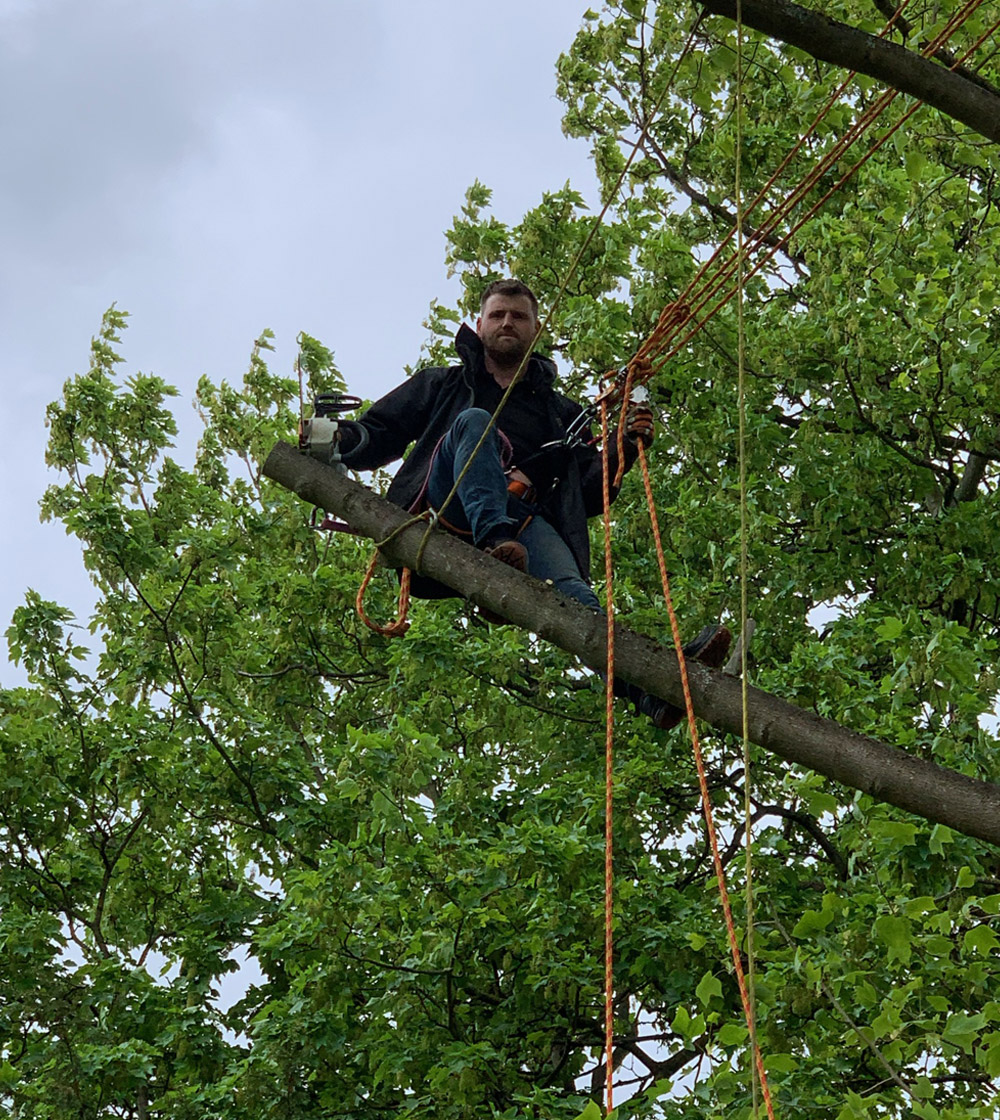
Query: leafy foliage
x=405, y=838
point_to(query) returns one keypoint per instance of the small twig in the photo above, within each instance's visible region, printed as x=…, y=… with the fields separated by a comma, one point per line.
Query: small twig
x=839, y=1008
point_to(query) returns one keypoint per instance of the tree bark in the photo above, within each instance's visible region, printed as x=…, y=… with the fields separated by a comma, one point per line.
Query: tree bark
x=885, y=772
x=831, y=41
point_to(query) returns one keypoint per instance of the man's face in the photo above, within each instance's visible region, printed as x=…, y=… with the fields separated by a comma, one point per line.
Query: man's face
x=507, y=327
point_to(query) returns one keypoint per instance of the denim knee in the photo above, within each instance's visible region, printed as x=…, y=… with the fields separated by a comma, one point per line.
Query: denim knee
x=474, y=420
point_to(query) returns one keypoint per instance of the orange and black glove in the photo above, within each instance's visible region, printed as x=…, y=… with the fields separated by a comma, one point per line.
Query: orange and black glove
x=640, y=426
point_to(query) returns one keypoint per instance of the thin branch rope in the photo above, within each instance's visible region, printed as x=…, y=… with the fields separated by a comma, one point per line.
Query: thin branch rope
x=706, y=802
x=302, y=395
x=609, y=745
x=744, y=564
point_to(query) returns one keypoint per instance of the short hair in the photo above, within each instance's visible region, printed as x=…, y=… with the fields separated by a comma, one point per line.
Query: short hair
x=510, y=287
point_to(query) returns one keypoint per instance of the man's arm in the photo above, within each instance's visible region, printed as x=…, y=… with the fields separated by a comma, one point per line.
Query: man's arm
x=393, y=422
x=639, y=426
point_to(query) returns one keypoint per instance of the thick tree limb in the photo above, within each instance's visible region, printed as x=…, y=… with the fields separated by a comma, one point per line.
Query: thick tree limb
x=975, y=471
x=890, y=9
x=886, y=773
x=830, y=41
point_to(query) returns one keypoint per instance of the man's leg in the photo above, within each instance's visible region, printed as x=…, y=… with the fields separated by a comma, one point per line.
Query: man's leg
x=551, y=561
x=710, y=647
x=549, y=558
x=480, y=504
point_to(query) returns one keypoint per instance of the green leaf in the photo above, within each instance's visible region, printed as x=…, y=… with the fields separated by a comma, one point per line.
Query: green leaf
x=941, y=836
x=591, y=1112
x=963, y=1029
x=896, y=934
x=990, y=1058
x=899, y=833
x=890, y=629
x=732, y=1034
x=812, y=921
x=780, y=1063
x=915, y=164
x=708, y=986
x=980, y=941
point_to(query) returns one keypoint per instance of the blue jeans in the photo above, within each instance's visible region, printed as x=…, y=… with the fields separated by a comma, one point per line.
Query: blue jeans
x=482, y=504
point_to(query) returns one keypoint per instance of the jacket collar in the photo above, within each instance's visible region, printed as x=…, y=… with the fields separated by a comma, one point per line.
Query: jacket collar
x=539, y=374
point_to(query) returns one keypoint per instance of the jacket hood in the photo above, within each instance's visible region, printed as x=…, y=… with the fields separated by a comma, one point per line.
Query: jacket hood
x=540, y=372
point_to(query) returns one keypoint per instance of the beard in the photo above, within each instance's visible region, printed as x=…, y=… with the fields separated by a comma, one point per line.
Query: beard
x=506, y=350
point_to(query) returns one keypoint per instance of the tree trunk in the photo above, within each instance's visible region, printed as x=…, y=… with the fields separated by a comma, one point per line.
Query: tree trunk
x=886, y=773
x=846, y=46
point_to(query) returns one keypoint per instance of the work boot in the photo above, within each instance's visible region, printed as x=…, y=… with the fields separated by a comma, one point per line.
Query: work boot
x=509, y=552
x=512, y=553
x=501, y=543
x=710, y=648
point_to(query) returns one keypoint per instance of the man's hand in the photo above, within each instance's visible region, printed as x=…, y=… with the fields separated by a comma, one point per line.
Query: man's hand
x=320, y=439
x=640, y=426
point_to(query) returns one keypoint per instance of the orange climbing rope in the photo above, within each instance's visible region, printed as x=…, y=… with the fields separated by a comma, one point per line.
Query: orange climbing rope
x=401, y=624
x=609, y=698
x=706, y=803
x=745, y=995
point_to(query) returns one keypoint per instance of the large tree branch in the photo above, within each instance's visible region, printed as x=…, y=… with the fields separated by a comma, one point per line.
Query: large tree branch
x=830, y=41
x=975, y=470
x=890, y=9
x=886, y=773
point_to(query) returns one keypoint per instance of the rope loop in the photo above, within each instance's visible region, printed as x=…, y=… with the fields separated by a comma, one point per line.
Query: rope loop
x=401, y=624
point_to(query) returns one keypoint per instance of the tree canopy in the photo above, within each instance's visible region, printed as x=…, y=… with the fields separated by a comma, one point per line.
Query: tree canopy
x=404, y=837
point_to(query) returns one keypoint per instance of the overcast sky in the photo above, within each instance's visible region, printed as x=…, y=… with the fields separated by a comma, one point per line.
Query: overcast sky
x=219, y=166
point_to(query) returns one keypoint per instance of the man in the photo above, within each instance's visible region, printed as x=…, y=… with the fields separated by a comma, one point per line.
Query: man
x=525, y=495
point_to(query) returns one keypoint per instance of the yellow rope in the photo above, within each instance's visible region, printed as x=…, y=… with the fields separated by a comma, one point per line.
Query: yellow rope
x=744, y=564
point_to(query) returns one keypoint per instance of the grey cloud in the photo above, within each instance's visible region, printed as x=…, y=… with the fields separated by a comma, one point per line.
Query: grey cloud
x=129, y=95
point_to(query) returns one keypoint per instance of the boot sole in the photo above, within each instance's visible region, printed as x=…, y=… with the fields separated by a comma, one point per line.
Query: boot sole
x=710, y=648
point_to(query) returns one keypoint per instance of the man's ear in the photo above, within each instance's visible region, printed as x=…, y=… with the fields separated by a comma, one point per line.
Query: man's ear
x=479, y=326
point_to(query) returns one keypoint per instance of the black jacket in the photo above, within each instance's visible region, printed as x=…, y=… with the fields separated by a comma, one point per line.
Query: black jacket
x=423, y=408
